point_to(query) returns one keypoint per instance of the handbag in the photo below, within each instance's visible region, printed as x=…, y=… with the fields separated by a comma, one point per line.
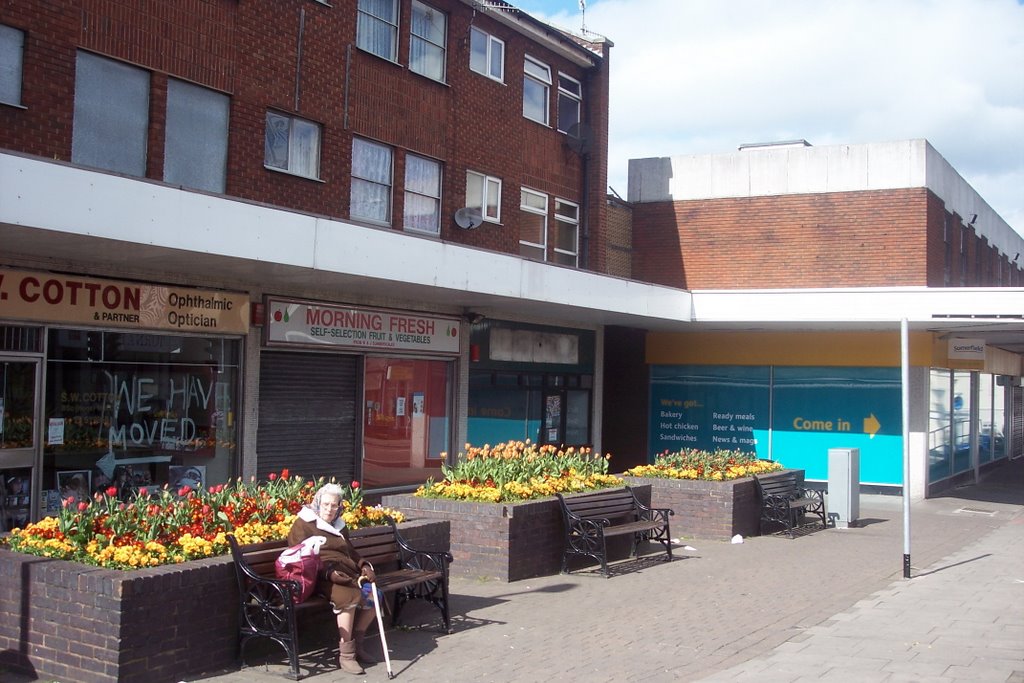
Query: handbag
x=301, y=563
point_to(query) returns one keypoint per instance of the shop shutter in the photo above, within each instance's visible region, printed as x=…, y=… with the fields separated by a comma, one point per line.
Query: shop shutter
x=307, y=415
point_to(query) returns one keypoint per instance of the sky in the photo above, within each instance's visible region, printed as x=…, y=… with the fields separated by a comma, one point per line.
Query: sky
x=704, y=76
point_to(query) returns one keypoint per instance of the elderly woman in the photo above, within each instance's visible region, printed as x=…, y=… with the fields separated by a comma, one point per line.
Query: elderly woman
x=342, y=568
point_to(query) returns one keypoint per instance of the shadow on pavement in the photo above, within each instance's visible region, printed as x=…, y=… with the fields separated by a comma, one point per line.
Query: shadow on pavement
x=1002, y=484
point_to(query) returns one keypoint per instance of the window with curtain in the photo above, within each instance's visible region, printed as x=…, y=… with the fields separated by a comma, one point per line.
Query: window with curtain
x=486, y=55
x=533, y=224
x=483, y=192
x=12, y=50
x=196, y=141
x=567, y=228
x=428, y=42
x=536, y=85
x=111, y=119
x=422, y=195
x=371, y=181
x=377, y=28
x=292, y=145
x=570, y=98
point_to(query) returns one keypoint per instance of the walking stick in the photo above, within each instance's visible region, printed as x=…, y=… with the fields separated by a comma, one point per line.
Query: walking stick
x=380, y=627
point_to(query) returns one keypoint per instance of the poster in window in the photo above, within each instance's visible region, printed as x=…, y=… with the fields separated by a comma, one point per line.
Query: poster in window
x=75, y=484
x=553, y=410
x=193, y=476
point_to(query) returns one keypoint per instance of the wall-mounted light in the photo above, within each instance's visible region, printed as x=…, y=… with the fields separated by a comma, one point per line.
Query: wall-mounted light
x=974, y=217
x=473, y=318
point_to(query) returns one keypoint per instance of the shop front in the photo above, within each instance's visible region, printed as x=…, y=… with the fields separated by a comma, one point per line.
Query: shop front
x=356, y=393
x=531, y=382
x=114, y=384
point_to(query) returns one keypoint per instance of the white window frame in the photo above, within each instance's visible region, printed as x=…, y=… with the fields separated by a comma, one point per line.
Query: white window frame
x=572, y=257
x=540, y=77
x=12, y=64
x=492, y=44
x=299, y=162
x=543, y=213
x=442, y=47
x=364, y=17
x=490, y=188
x=434, y=196
x=567, y=94
x=358, y=179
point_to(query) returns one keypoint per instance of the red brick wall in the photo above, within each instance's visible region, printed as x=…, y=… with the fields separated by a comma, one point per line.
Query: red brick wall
x=249, y=51
x=850, y=239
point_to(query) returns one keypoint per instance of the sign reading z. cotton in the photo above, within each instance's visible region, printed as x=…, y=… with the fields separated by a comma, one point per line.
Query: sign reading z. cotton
x=294, y=322
x=52, y=297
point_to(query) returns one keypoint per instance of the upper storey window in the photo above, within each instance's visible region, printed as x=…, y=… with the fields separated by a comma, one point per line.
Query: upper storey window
x=12, y=49
x=422, y=195
x=428, y=42
x=483, y=192
x=111, y=119
x=377, y=28
x=196, y=142
x=486, y=54
x=292, y=145
x=536, y=88
x=371, y=181
x=570, y=97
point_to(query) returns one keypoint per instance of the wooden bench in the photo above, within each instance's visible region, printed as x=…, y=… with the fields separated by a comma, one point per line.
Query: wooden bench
x=266, y=608
x=785, y=501
x=591, y=518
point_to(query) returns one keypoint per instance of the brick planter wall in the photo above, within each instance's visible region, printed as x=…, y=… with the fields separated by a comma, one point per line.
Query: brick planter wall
x=74, y=622
x=506, y=541
x=707, y=509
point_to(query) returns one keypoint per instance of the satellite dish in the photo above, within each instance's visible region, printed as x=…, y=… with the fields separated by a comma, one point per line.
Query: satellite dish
x=468, y=218
x=579, y=138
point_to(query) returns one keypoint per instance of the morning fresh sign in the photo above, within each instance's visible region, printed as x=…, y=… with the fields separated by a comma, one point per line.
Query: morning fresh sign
x=296, y=322
x=967, y=349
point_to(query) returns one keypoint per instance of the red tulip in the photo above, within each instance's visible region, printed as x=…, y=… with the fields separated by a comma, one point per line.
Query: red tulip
x=112, y=491
x=143, y=491
x=184, y=491
x=272, y=476
x=284, y=473
x=83, y=506
x=355, y=485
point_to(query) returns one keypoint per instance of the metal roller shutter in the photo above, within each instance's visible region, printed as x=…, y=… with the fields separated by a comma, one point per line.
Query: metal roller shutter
x=307, y=415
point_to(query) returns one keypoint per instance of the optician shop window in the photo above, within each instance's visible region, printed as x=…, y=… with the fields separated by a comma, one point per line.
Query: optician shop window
x=138, y=410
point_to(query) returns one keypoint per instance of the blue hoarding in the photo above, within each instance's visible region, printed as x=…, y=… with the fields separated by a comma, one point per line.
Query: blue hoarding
x=808, y=411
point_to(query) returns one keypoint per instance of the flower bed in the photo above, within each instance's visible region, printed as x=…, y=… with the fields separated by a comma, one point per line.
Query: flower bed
x=520, y=470
x=692, y=463
x=505, y=541
x=170, y=527
x=68, y=621
x=712, y=492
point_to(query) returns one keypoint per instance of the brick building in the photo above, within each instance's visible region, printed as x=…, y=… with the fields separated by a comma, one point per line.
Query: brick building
x=341, y=238
x=802, y=262
x=797, y=216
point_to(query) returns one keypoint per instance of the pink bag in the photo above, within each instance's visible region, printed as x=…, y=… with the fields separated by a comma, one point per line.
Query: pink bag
x=301, y=563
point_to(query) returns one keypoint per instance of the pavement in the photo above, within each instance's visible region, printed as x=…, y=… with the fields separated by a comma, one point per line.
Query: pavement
x=828, y=605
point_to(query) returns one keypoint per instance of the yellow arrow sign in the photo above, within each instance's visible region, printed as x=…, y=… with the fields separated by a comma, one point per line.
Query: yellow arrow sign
x=871, y=425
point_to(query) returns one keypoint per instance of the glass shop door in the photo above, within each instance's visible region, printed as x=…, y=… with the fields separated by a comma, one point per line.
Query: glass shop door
x=19, y=440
